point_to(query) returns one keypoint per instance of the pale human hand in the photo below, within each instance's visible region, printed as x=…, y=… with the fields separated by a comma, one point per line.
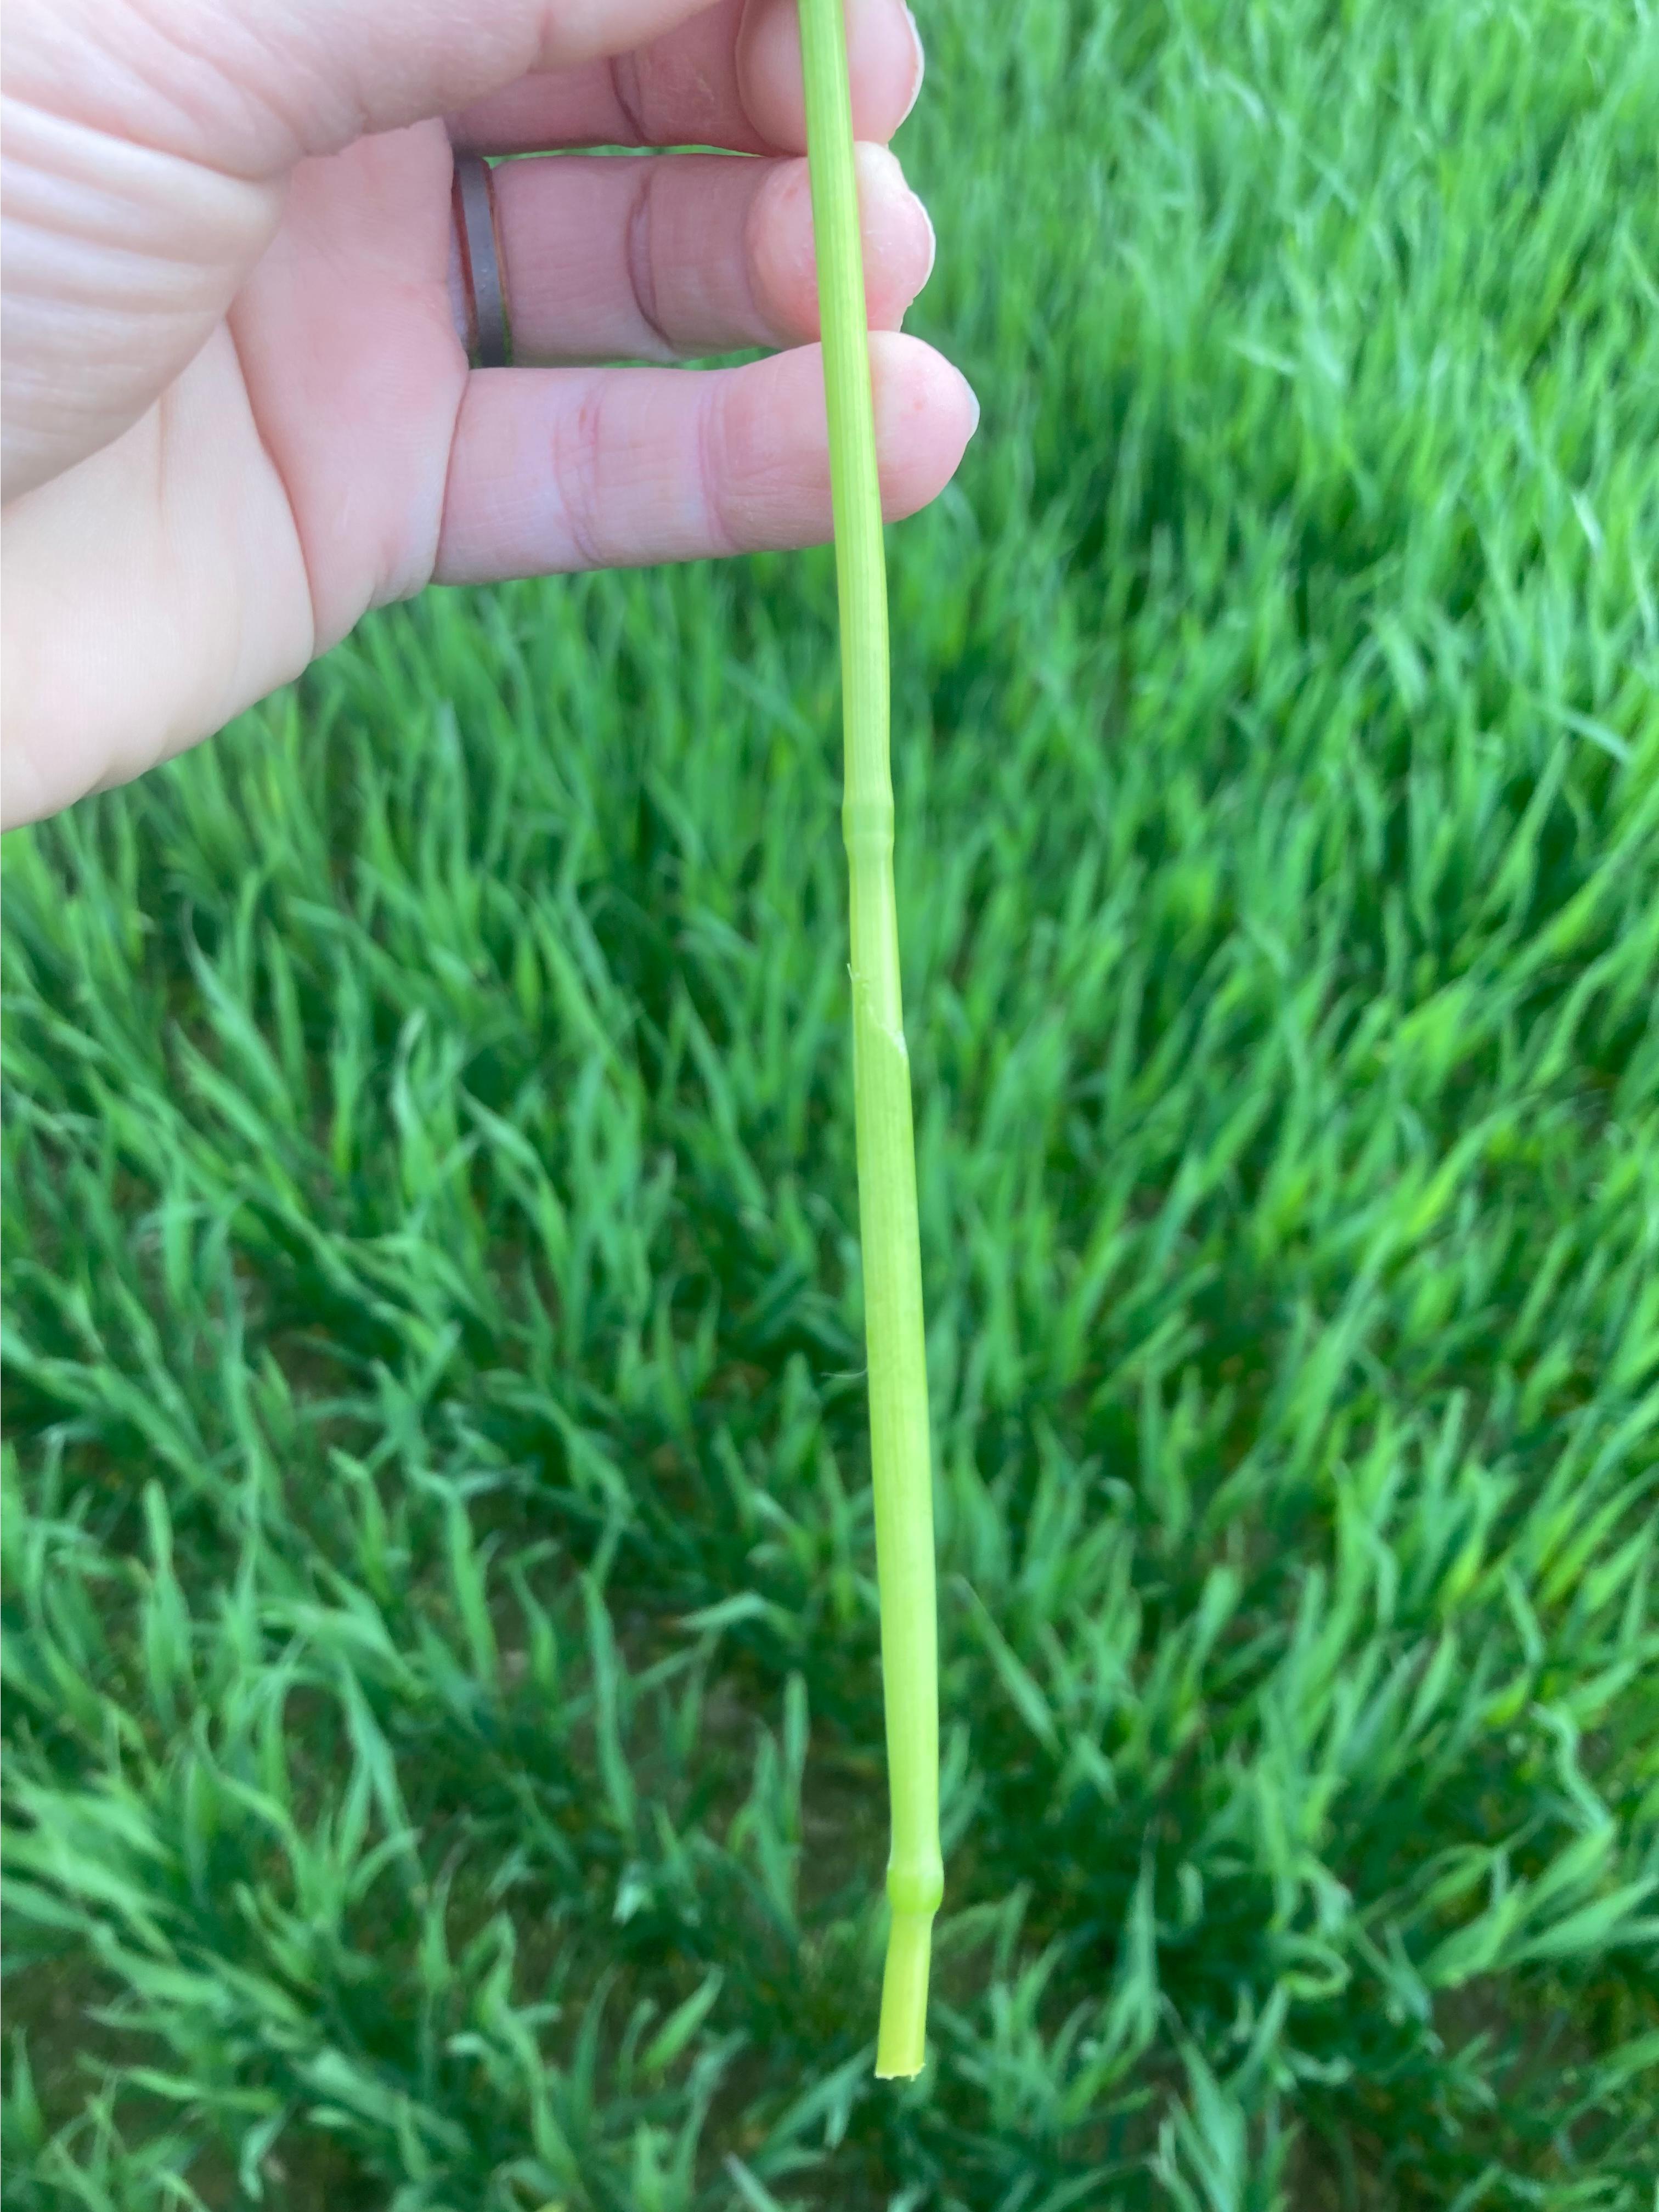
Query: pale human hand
x=238, y=410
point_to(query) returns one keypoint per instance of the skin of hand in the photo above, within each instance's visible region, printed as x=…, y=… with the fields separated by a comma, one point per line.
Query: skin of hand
x=238, y=410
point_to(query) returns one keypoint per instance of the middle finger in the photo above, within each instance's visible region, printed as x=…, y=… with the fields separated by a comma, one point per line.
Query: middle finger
x=666, y=257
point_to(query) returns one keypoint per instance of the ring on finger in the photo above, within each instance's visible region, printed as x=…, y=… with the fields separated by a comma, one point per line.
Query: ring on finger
x=488, y=322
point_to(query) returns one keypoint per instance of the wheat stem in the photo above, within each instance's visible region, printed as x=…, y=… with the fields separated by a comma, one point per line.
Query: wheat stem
x=900, y=1449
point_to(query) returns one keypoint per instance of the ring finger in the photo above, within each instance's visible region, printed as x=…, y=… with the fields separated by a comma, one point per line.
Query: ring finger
x=667, y=257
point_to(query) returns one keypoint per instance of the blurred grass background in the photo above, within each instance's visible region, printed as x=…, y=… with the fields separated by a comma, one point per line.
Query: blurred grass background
x=443, y=1722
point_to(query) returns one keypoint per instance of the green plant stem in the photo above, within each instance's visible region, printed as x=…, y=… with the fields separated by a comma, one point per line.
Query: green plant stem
x=901, y=1454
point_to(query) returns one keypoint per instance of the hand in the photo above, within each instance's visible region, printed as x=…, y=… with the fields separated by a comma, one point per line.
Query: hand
x=237, y=405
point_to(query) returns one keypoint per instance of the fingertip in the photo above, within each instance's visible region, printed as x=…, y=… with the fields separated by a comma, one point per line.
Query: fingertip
x=898, y=236
x=918, y=65
x=926, y=412
x=884, y=61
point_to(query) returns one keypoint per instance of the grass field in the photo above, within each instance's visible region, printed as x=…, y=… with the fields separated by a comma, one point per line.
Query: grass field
x=442, y=1720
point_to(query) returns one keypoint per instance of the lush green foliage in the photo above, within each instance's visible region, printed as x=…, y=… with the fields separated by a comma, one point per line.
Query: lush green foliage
x=442, y=1719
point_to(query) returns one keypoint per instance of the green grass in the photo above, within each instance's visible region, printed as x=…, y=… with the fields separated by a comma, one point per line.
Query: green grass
x=443, y=1730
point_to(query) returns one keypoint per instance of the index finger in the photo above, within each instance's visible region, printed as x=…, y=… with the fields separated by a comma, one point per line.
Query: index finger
x=730, y=77
x=250, y=90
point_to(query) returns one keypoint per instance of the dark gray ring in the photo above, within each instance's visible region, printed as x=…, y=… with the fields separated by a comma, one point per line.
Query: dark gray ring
x=492, y=345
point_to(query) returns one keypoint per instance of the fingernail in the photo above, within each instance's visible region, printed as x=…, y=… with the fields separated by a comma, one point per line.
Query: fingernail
x=973, y=401
x=881, y=177
x=921, y=65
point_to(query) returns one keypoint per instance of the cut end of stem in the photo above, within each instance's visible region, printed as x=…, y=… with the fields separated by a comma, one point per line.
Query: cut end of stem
x=902, y=2038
